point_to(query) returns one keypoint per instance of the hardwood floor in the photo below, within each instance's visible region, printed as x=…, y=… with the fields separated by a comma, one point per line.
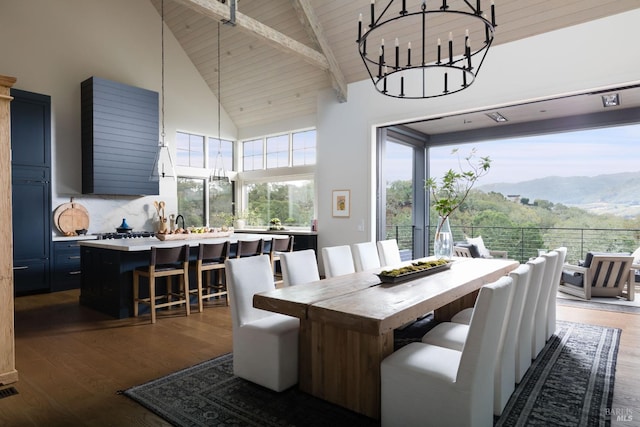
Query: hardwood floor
x=71, y=360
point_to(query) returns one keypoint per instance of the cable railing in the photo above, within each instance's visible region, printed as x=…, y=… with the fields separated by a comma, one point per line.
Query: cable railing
x=523, y=243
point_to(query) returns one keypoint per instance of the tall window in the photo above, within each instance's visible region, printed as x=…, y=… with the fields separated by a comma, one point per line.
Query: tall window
x=201, y=201
x=191, y=201
x=278, y=178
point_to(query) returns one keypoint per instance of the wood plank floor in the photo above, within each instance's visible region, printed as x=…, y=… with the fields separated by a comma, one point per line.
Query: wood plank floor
x=71, y=360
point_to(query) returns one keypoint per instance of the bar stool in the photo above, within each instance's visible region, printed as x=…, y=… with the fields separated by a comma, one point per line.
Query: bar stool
x=164, y=262
x=211, y=257
x=277, y=247
x=247, y=248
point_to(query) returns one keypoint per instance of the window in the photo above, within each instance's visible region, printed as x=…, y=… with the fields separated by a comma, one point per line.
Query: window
x=191, y=201
x=189, y=150
x=303, y=151
x=290, y=201
x=278, y=179
x=225, y=148
x=201, y=201
x=278, y=151
x=252, y=155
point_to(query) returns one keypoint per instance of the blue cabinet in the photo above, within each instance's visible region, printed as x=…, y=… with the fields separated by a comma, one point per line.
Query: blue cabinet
x=66, y=266
x=31, y=191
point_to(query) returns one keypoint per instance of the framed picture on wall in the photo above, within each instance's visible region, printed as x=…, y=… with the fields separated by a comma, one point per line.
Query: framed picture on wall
x=341, y=203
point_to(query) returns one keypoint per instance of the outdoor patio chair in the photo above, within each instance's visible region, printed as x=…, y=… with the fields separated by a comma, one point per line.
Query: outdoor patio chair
x=600, y=275
x=477, y=248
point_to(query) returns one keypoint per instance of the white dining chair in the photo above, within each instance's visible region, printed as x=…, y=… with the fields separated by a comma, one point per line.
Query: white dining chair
x=539, y=338
x=299, y=267
x=423, y=384
x=365, y=256
x=337, y=261
x=454, y=335
x=527, y=321
x=265, y=344
x=553, y=294
x=389, y=252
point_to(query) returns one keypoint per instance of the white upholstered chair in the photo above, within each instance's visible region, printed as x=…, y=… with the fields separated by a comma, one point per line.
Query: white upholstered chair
x=337, y=260
x=299, y=267
x=551, y=303
x=265, y=344
x=525, y=333
x=423, y=384
x=389, y=252
x=454, y=335
x=365, y=256
x=539, y=338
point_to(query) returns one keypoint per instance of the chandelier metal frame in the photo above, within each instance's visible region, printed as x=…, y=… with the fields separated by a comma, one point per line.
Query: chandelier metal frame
x=410, y=75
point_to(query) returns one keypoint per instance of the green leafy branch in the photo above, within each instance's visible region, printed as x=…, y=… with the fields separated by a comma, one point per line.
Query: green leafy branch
x=454, y=187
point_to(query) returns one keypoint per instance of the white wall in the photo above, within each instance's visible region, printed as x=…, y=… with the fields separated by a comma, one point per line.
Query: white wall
x=591, y=55
x=52, y=46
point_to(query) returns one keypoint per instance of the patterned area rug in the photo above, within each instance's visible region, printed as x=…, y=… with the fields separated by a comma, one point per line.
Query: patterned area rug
x=569, y=384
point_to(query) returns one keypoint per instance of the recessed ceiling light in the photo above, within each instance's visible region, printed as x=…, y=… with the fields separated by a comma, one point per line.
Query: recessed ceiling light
x=497, y=117
x=611, y=100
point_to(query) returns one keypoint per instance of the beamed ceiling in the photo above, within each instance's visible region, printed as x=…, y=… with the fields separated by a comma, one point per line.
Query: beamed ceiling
x=281, y=53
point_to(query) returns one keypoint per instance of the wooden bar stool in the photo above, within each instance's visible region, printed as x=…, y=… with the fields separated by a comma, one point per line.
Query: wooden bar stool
x=165, y=262
x=249, y=248
x=277, y=247
x=211, y=257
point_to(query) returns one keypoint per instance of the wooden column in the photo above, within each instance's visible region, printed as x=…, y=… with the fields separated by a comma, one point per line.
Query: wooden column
x=8, y=373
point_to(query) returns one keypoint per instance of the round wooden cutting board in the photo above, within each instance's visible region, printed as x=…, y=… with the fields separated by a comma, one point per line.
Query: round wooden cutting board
x=69, y=217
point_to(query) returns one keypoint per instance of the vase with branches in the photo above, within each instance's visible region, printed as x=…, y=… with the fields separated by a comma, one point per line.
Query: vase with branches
x=448, y=193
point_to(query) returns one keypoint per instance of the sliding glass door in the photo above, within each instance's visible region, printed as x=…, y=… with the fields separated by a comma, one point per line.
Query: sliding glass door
x=400, y=189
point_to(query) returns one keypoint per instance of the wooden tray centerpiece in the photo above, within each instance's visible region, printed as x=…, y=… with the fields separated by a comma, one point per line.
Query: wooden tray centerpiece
x=192, y=233
x=414, y=270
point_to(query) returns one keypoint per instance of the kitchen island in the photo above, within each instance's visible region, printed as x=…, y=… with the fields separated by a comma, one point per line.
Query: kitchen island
x=107, y=268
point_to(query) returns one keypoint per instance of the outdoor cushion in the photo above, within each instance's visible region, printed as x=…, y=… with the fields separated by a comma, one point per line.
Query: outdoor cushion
x=473, y=249
x=479, y=243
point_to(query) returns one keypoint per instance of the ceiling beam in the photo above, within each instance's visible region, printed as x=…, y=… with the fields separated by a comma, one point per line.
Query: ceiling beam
x=218, y=11
x=311, y=24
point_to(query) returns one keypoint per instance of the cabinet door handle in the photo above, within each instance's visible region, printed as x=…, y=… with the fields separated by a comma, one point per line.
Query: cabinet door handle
x=74, y=257
x=75, y=272
x=21, y=267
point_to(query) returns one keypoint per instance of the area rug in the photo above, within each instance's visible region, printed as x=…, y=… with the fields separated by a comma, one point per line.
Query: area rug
x=569, y=384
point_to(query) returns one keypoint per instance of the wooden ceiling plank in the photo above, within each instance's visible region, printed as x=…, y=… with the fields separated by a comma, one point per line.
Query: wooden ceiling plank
x=312, y=25
x=216, y=10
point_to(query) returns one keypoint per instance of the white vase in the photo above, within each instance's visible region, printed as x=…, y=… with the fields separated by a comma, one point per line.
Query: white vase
x=443, y=240
x=239, y=224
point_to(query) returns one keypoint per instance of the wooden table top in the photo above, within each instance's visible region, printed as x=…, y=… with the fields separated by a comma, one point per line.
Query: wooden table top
x=359, y=302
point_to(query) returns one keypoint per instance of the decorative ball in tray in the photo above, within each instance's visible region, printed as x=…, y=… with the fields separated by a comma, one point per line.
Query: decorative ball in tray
x=414, y=270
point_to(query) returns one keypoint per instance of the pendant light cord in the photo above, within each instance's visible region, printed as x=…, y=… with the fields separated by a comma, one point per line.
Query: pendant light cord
x=162, y=60
x=219, y=102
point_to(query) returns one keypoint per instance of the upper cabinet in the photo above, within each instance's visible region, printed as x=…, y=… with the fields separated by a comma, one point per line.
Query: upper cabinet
x=119, y=138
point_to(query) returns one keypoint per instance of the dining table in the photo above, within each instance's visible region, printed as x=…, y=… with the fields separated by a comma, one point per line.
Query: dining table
x=347, y=322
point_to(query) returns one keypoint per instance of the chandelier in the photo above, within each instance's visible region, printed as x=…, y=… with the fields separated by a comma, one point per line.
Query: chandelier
x=437, y=49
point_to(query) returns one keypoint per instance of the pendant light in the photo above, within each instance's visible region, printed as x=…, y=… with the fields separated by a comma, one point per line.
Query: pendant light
x=163, y=164
x=218, y=172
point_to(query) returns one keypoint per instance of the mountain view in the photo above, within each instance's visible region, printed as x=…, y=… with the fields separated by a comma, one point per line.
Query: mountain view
x=617, y=194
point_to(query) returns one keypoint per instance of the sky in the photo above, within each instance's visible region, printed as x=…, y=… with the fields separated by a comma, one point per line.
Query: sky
x=580, y=153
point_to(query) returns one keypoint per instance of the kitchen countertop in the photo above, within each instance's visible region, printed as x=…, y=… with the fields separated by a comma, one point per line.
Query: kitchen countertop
x=291, y=232
x=74, y=238
x=145, y=243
